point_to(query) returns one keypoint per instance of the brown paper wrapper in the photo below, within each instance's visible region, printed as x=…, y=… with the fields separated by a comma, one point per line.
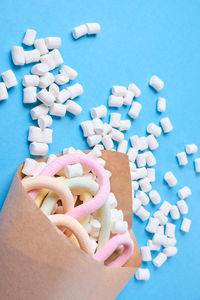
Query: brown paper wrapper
x=38, y=262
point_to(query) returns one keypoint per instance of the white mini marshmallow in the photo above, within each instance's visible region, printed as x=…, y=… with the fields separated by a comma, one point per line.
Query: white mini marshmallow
x=118, y=90
x=32, y=56
x=53, y=42
x=95, y=227
x=132, y=166
x=141, y=160
x=135, y=110
x=115, y=119
x=142, y=213
x=61, y=78
x=160, y=229
x=115, y=101
x=49, y=60
x=57, y=57
x=127, y=100
x=161, y=104
x=116, y=215
x=134, y=89
x=69, y=150
x=122, y=146
x=170, y=179
x=170, y=230
x=38, y=149
x=45, y=121
x=54, y=90
x=159, y=260
x=29, y=37
x=3, y=91
x=135, y=185
x=73, y=108
x=185, y=225
x=132, y=154
x=135, y=142
x=150, y=159
x=161, y=217
x=139, y=173
x=93, y=140
x=98, y=125
x=75, y=90
x=183, y=207
x=100, y=146
x=182, y=158
x=174, y=212
x=184, y=192
x=155, y=197
x=119, y=227
x=152, y=246
x=160, y=239
x=99, y=111
x=165, y=208
x=151, y=174
x=143, y=143
x=152, y=225
x=116, y=135
x=154, y=129
x=136, y=204
x=166, y=125
x=40, y=136
x=197, y=165
x=72, y=74
x=57, y=109
x=156, y=83
x=170, y=251
x=93, y=28
x=146, y=253
x=63, y=96
x=29, y=94
x=40, y=69
x=152, y=142
x=46, y=80
x=191, y=149
x=79, y=31
x=142, y=274
x=73, y=170
x=38, y=111
x=145, y=185
x=94, y=153
x=88, y=128
x=107, y=142
x=45, y=97
x=29, y=167
x=142, y=197
x=171, y=242
x=40, y=45
x=30, y=80
x=9, y=78
x=112, y=200
x=18, y=56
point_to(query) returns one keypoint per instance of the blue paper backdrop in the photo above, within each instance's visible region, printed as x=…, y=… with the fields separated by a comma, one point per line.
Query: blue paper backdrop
x=138, y=39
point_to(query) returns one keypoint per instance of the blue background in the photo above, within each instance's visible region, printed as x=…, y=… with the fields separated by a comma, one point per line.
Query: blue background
x=138, y=39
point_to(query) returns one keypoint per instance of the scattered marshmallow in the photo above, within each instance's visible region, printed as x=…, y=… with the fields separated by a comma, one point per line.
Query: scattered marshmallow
x=142, y=213
x=170, y=179
x=49, y=60
x=183, y=207
x=53, y=42
x=30, y=80
x=127, y=100
x=79, y=31
x=151, y=174
x=184, y=192
x=45, y=97
x=132, y=154
x=73, y=170
x=146, y=253
x=63, y=96
x=87, y=128
x=185, y=226
x=18, y=56
x=142, y=197
x=155, y=197
x=40, y=69
x=38, y=111
x=112, y=200
x=61, y=78
x=29, y=166
x=135, y=110
x=152, y=142
x=54, y=90
x=136, y=204
x=166, y=125
x=134, y=89
x=99, y=111
x=152, y=225
x=182, y=158
x=115, y=101
x=152, y=246
x=174, y=212
x=107, y=142
x=38, y=149
x=9, y=78
x=32, y=56
x=160, y=229
x=161, y=104
x=135, y=142
x=57, y=57
x=170, y=251
x=116, y=135
x=29, y=94
x=197, y=165
x=116, y=215
x=159, y=260
x=122, y=146
x=135, y=185
x=3, y=91
x=75, y=90
x=71, y=73
x=160, y=239
x=150, y=159
x=145, y=185
x=119, y=227
x=143, y=143
x=141, y=160
x=139, y=173
x=119, y=91
x=156, y=83
x=161, y=217
x=73, y=108
x=93, y=28
x=165, y=208
x=154, y=129
x=45, y=121
x=46, y=80
x=29, y=37
x=57, y=109
x=142, y=274
x=40, y=45
x=170, y=230
x=98, y=125
x=115, y=119
x=191, y=149
x=95, y=139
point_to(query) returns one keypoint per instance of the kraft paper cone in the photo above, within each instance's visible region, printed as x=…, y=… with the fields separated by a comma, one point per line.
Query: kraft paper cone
x=39, y=263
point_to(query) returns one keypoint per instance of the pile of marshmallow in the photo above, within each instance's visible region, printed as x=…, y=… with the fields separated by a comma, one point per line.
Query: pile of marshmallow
x=73, y=191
